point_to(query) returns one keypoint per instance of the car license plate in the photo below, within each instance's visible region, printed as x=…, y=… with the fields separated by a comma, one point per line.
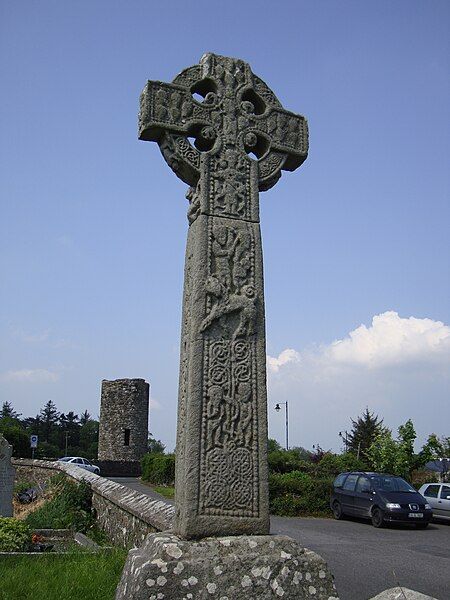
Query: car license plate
x=416, y=515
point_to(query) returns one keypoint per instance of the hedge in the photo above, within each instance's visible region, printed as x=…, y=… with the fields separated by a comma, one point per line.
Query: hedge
x=297, y=494
x=158, y=468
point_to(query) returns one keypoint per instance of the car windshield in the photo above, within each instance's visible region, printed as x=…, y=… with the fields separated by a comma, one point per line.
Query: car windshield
x=65, y=459
x=391, y=484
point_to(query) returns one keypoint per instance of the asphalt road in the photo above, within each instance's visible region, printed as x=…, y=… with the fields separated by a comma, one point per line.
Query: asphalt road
x=364, y=560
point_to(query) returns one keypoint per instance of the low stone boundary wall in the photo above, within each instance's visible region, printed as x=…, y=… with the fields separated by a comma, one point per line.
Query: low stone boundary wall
x=126, y=515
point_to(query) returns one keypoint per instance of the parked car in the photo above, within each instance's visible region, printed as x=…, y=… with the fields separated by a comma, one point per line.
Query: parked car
x=438, y=496
x=78, y=461
x=380, y=497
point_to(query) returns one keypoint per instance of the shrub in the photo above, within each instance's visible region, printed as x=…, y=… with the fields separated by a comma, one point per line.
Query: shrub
x=418, y=478
x=158, y=468
x=15, y=535
x=333, y=464
x=22, y=486
x=284, y=461
x=69, y=508
x=299, y=494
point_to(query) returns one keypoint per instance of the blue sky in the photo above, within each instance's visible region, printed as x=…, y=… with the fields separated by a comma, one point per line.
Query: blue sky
x=94, y=222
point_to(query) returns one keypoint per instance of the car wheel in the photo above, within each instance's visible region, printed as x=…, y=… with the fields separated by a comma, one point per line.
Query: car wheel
x=337, y=511
x=421, y=525
x=377, y=518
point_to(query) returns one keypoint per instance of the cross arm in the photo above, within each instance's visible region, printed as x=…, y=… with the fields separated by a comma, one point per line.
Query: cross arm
x=170, y=107
x=160, y=110
x=286, y=132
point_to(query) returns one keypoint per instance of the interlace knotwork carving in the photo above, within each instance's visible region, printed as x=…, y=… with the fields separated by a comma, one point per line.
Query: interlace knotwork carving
x=229, y=454
x=229, y=460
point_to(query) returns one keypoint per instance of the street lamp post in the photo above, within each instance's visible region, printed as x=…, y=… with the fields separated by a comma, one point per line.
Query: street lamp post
x=278, y=408
x=344, y=439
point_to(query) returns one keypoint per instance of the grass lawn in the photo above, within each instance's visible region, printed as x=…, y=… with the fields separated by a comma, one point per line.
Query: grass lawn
x=78, y=576
x=166, y=491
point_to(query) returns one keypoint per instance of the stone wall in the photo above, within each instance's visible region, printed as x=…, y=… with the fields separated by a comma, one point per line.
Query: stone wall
x=123, y=430
x=126, y=515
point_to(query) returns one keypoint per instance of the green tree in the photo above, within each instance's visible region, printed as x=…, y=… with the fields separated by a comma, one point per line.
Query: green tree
x=49, y=416
x=85, y=418
x=364, y=431
x=273, y=445
x=436, y=447
x=155, y=446
x=395, y=456
x=89, y=438
x=16, y=436
x=69, y=424
x=8, y=411
x=302, y=453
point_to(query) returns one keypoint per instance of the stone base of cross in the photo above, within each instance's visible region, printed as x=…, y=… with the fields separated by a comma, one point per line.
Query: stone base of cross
x=260, y=567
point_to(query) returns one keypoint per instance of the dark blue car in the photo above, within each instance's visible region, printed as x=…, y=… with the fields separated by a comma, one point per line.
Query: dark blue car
x=380, y=497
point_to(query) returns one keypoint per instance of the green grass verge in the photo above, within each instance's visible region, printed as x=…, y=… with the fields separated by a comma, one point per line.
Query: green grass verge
x=78, y=576
x=167, y=491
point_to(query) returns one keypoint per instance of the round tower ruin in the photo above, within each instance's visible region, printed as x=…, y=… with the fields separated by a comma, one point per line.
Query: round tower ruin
x=123, y=430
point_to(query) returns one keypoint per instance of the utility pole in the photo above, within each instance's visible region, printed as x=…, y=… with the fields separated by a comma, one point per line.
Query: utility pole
x=67, y=437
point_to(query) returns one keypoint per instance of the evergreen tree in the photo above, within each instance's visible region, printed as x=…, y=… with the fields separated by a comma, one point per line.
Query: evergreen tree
x=85, y=417
x=49, y=419
x=8, y=412
x=69, y=427
x=364, y=431
x=89, y=439
x=32, y=424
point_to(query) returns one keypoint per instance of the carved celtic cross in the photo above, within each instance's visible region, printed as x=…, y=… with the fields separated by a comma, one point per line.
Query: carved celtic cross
x=228, y=145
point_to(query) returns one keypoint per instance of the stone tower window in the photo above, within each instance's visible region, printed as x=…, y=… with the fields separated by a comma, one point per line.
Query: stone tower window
x=126, y=437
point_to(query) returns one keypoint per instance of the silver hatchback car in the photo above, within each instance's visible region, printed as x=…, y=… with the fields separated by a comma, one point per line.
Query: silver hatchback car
x=78, y=461
x=438, y=497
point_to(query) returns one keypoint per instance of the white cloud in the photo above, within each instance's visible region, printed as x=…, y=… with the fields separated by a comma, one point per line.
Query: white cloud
x=153, y=403
x=392, y=339
x=30, y=376
x=287, y=356
x=398, y=367
x=32, y=338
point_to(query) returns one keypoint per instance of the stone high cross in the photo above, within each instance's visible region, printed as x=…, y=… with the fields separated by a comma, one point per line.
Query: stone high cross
x=7, y=473
x=227, y=146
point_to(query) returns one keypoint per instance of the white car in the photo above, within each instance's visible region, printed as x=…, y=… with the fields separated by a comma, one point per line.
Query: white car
x=78, y=461
x=438, y=496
